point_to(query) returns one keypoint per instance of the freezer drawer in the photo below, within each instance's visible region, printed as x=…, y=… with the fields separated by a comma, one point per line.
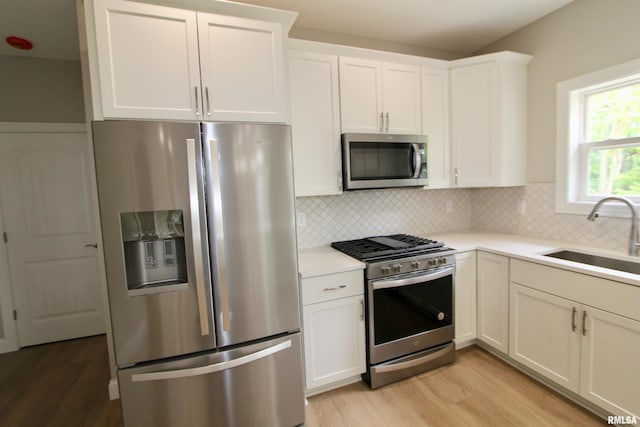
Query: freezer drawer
x=255, y=385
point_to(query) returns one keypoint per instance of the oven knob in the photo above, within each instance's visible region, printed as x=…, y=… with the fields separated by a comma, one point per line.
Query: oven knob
x=397, y=268
x=415, y=264
x=442, y=261
x=385, y=269
x=432, y=261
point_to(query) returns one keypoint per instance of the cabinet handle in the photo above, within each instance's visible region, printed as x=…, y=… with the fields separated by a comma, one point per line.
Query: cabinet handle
x=362, y=309
x=195, y=91
x=584, y=323
x=386, y=128
x=334, y=289
x=206, y=92
x=455, y=176
x=381, y=122
x=339, y=180
x=574, y=326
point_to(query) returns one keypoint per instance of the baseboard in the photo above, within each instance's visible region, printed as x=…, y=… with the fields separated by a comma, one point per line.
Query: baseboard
x=114, y=391
x=337, y=384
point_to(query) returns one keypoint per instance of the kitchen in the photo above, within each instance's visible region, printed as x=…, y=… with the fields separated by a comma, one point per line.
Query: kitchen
x=524, y=210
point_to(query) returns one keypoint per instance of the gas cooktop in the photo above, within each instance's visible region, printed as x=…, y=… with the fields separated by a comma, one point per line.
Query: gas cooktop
x=388, y=247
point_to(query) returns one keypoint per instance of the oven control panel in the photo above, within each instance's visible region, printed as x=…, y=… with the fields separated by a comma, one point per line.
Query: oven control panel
x=408, y=265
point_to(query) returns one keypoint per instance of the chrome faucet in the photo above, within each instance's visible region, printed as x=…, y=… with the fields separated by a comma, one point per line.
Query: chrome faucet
x=633, y=237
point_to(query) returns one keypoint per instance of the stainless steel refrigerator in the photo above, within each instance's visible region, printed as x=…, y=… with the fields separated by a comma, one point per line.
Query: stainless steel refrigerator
x=200, y=252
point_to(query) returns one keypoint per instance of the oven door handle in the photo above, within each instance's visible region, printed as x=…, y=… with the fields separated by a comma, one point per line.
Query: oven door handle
x=439, y=273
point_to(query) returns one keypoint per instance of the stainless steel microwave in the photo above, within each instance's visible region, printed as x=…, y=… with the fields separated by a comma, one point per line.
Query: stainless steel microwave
x=383, y=161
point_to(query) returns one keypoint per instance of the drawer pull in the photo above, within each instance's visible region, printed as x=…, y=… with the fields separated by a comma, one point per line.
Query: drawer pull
x=573, y=319
x=335, y=288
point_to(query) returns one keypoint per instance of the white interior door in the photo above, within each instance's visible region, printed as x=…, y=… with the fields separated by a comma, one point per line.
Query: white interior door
x=46, y=189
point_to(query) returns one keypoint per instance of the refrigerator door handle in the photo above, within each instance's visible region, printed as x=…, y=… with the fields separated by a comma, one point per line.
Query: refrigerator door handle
x=218, y=236
x=194, y=204
x=210, y=369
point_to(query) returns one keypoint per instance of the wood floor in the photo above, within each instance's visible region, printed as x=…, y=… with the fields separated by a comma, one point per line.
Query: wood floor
x=59, y=384
x=477, y=390
x=65, y=384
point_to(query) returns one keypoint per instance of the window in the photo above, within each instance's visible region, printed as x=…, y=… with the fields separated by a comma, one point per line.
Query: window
x=598, y=138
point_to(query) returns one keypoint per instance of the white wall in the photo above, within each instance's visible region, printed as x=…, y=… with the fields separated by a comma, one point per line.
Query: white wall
x=585, y=36
x=40, y=90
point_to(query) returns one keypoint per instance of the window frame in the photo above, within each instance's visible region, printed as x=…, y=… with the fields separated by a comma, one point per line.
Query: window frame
x=571, y=154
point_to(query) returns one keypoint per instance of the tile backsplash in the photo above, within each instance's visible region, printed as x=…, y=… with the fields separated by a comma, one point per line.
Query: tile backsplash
x=496, y=209
x=528, y=211
x=367, y=213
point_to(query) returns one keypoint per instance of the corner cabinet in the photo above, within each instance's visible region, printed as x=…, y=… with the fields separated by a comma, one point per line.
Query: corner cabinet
x=333, y=329
x=315, y=123
x=493, y=300
x=488, y=120
x=156, y=62
x=379, y=97
x=567, y=339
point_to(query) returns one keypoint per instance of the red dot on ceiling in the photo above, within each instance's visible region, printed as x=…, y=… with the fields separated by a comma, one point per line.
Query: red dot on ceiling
x=19, y=43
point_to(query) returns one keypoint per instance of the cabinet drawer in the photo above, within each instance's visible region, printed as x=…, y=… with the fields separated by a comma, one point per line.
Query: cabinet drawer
x=332, y=286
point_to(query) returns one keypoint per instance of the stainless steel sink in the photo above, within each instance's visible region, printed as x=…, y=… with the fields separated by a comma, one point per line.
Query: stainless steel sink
x=598, y=261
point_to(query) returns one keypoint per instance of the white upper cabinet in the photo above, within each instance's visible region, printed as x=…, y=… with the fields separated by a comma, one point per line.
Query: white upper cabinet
x=147, y=61
x=435, y=124
x=488, y=120
x=377, y=97
x=152, y=59
x=315, y=123
x=242, y=66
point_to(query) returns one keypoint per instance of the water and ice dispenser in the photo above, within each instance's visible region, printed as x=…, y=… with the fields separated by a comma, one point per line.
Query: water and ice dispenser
x=154, y=254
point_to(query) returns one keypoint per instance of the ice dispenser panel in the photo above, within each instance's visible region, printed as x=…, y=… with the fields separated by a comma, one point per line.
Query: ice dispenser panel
x=154, y=254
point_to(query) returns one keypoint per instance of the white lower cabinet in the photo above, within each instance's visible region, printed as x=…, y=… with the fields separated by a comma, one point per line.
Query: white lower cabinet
x=610, y=374
x=587, y=350
x=493, y=300
x=465, y=298
x=545, y=335
x=333, y=329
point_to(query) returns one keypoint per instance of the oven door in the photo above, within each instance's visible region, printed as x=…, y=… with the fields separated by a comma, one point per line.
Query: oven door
x=409, y=313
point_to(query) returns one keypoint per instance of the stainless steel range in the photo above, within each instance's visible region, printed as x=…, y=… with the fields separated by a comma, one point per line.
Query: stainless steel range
x=409, y=304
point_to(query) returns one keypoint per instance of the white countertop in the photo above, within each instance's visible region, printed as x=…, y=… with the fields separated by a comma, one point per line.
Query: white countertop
x=325, y=260
x=532, y=249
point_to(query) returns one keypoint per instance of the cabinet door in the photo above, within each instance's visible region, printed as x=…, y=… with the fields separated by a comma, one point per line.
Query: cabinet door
x=465, y=298
x=493, y=300
x=544, y=334
x=610, y=356
x=242, y=67
x=315, y=123
x=333, y=340
x=435, y=124
x=147, y=61
x=473, y=105
x=361, y=95
x=401, y=98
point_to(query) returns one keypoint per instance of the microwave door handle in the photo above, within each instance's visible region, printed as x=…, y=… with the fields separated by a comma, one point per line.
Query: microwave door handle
x=439, y=273
x=417, y=160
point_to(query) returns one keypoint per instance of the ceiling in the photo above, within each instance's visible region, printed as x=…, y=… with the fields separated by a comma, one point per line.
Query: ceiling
x=460, y=26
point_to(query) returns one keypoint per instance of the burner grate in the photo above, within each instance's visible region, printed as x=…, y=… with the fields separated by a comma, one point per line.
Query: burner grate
x=381, y=246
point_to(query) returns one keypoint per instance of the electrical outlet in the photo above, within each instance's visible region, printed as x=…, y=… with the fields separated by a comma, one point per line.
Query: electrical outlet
x=448, y=207
x=301, y=220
